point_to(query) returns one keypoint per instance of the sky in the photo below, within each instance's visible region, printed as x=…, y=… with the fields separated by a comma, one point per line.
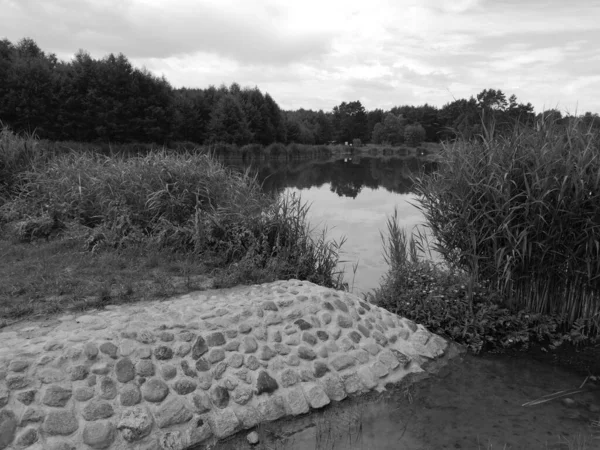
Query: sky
x=315, y=54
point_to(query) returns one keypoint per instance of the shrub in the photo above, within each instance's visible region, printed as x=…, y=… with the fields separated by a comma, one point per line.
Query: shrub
x=357, y=143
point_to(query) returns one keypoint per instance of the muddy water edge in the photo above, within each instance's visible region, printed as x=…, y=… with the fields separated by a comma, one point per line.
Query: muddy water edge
x=474, y=402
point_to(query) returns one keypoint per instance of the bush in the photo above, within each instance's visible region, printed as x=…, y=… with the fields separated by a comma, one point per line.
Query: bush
x=451, y=303
x=522, y=212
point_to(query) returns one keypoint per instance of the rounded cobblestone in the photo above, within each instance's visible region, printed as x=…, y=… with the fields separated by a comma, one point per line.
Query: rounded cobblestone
x=154, y=390
x=261, y=353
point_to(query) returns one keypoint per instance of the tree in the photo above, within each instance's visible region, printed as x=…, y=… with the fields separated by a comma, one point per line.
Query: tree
x=426, y=115
x=323, y=128
x=460, y=117
x=191, y=115
x=519, y=112
x=27, y=48
x=492, y=99
x=373, y=118
x=228, y=123
x=275, y=118
x=414, y=135
x=390, y=131
x=28, y=95
x=350, y=122
x=591, y=121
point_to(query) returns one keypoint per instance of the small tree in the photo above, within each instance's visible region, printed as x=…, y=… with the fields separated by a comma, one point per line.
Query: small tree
x=414, y=135
x=356, y=143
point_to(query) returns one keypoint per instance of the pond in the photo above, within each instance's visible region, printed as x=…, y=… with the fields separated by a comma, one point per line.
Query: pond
x=351, y=197
x=478, y=402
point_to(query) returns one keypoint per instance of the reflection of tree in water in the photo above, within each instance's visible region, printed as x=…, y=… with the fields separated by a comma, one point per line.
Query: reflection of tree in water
x=347, y=177
x=346, y=189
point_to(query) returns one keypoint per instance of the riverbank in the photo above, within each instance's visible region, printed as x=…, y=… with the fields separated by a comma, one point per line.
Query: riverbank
x=476, y=402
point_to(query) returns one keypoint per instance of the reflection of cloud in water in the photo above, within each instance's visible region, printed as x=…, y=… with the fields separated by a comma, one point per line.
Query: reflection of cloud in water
x=360, y=219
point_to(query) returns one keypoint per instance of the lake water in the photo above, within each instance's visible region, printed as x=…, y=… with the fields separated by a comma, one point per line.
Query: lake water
x=351, y=197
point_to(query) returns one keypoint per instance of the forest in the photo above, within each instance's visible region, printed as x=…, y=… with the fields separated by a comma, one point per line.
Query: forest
x=110, y=100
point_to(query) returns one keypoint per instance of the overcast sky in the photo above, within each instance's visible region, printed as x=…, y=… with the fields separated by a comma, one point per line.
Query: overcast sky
x=317, y=53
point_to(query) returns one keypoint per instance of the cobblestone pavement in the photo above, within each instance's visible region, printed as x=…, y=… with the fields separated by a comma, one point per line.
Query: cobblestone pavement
x=199, y=367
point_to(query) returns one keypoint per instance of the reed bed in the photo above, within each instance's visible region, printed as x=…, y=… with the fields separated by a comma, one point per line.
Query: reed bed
x=185, y=202
x=522, y=212
x=180, y=203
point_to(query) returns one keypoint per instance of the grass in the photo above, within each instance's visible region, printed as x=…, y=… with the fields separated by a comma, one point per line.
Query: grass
x=44, y=278
x=77, y=225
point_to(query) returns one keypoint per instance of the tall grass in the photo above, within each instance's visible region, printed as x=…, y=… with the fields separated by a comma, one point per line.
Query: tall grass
x=523, y=212
x=180, y=201
x=144, y=191
x=17, y=154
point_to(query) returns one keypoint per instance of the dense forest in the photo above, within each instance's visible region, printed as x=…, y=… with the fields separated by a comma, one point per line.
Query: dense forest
x=109, y=100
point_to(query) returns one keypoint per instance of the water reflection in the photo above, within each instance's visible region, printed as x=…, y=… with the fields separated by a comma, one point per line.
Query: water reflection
x=347, y=177
x=351, y=198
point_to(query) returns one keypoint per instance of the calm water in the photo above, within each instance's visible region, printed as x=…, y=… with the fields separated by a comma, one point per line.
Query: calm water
x=351, y=197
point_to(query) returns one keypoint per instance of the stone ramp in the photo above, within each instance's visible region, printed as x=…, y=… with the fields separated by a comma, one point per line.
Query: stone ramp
x=199, y=367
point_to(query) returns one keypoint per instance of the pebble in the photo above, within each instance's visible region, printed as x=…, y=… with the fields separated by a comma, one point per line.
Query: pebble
x=252, y=438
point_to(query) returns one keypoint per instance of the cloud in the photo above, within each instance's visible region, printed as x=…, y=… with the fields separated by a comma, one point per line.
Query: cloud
x=165, y=29
x=316, y=54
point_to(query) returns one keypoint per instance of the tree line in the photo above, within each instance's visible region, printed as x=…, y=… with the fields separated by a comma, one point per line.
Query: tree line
x=109, y=100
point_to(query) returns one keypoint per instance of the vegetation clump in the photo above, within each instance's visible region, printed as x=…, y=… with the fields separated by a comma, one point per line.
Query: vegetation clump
x=515, y=221
x=176, y=204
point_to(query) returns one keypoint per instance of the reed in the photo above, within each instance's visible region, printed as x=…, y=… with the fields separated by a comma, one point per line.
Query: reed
x=180, y=201
x=18, y=153
x=522, y=212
